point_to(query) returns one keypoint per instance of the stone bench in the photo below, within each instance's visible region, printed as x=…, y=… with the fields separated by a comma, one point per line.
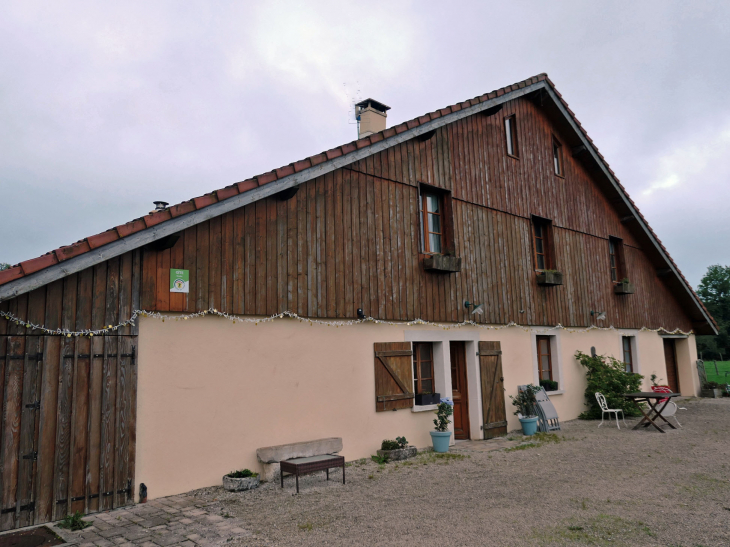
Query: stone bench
x=270, y=456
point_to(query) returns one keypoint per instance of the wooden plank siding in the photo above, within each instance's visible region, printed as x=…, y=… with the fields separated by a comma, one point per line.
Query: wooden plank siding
x=351, y=239
x=69, y=403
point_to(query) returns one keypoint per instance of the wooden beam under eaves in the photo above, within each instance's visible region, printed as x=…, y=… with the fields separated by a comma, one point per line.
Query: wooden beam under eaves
x=627, y=218
x=663, y=272
x=578, y=150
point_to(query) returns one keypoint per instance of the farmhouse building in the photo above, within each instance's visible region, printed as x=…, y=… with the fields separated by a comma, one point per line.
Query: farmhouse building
x=483, y=243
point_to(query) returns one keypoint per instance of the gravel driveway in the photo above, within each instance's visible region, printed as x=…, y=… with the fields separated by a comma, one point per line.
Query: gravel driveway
x=583, y=486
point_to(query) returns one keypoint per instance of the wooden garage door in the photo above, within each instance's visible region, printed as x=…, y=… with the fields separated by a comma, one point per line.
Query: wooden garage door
x=68, y=422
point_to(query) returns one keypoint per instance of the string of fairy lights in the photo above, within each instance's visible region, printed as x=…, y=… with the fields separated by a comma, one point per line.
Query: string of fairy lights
x=109, y=329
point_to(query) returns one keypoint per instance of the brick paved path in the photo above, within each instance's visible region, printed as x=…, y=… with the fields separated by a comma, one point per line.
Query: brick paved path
x=167, y=522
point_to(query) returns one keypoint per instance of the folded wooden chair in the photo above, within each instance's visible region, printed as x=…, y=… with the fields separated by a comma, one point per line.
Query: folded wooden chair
x=545, y=411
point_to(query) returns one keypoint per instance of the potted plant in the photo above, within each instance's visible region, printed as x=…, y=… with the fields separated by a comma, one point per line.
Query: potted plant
x=243, y=479
x=549, y=277
x=396, y=450
x=549, y=385
x=624, y=287
x=525, y=403
x=441, y=436
x=427, y=398
x=711, y=389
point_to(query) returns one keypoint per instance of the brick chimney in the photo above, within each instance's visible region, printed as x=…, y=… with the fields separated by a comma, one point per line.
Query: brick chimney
x=370, y=115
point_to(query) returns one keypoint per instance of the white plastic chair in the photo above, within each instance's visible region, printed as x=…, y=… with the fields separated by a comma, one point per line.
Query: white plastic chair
x=670, y=409
x=604, y=409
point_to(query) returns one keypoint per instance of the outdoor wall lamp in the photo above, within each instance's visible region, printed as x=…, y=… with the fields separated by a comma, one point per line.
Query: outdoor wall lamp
x=600, y=315
x=360, y=313
x=478, y=308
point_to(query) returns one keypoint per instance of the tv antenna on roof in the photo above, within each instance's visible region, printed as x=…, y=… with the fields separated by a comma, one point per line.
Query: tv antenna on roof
x=352, y=100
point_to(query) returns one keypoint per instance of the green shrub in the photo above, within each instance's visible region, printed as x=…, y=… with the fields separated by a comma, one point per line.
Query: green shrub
x=444, y=410
x=549, y=385
x=608, y=376
x=525, y=401
x=74, y=522
x=398, y=443
x=242, y=474
x=710, y=385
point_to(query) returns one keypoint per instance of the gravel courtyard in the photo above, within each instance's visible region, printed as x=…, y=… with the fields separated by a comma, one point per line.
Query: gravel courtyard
x=584, y=486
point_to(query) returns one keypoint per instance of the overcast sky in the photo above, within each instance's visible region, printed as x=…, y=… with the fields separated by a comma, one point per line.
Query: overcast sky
x=107, y=106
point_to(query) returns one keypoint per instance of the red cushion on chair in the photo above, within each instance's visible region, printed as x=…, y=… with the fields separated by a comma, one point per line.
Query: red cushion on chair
x=661, y=389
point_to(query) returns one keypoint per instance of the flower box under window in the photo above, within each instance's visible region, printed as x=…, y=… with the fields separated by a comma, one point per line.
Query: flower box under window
x=442, y=263
x=549, y=278
x=623, y=288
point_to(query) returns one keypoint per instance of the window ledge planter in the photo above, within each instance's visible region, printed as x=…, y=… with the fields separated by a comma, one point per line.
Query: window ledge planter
x=398, y=454
x=442, y=263
x=238, y=485
x=423, y=399
x=549, y=278
x=712, y=393
x=623, y=288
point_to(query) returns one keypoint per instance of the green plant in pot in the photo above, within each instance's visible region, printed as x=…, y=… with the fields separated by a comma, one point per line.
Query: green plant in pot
x=525, y=403
x=441, y=436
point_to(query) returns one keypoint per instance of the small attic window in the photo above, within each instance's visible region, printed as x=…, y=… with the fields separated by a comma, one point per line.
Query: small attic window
x=510, y=132
x=558, y=157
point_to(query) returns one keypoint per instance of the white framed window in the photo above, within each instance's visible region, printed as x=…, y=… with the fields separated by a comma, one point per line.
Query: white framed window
x=629, y=351
x=547, y=365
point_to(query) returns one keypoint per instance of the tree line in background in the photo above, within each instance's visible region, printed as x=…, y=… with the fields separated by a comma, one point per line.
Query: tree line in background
x=4, y=266
x=714, y=291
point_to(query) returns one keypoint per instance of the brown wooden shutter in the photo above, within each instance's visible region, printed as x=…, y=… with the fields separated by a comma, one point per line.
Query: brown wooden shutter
x=393, y=376
x=493, y=409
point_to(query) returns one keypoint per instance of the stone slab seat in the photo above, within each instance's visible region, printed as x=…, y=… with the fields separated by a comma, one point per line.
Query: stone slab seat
x=270, y=456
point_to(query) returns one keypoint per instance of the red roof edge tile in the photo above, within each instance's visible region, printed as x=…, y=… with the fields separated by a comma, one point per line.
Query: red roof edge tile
x=131, y=227
x=266, y=178
x=11, y=274
x=35, y=264
x=227, y=192
x=246, y=185
x=70, y=251
x=155, y=218
x=182, y=208
x=103, y=238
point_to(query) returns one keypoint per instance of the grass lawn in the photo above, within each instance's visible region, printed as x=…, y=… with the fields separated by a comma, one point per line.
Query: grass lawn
x=718, y=375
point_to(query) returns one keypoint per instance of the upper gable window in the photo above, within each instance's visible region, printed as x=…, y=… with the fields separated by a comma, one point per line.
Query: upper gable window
x=510, y=131
x=616, y=256
x=542, y=243
x=436, y=220
x=557, y=157
x=432, y=222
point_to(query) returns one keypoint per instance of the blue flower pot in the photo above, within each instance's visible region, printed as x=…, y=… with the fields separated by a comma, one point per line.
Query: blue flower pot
x=440, y=440
x=529, y=425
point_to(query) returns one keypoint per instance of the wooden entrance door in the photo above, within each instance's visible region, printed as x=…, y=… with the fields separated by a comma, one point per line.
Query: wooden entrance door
x=459, y=390
x=68, y=426
x=493, y=409
x=670, y=356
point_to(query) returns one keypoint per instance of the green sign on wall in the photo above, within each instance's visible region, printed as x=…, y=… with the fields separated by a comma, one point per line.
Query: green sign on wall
x=180, y=281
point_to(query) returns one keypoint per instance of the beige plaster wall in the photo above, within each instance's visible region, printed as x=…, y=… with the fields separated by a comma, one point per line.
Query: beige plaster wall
x=210, y=392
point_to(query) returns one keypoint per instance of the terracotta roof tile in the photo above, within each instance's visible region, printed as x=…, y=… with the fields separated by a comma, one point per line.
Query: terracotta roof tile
x=336, y=152
x=301, y=165
x=349, y=147
x=246, y=185
x=11, y=274
x=131, y=227
x=375, y=137
x=204, y=201
x=102, y=239
x=361, y=143
x=285, y=171
x=155, y=218
x=227, y=192
x=319, y=158
x=266, y=178
x=182, y=208
x=35, y=264
x=70, y=251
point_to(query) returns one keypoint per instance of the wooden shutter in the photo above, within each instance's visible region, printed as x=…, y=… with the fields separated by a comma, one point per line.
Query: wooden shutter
x=493, y=409
x=393, y=376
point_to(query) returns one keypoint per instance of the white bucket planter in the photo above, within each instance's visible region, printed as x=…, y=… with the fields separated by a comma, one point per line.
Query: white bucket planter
x=238, y=485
